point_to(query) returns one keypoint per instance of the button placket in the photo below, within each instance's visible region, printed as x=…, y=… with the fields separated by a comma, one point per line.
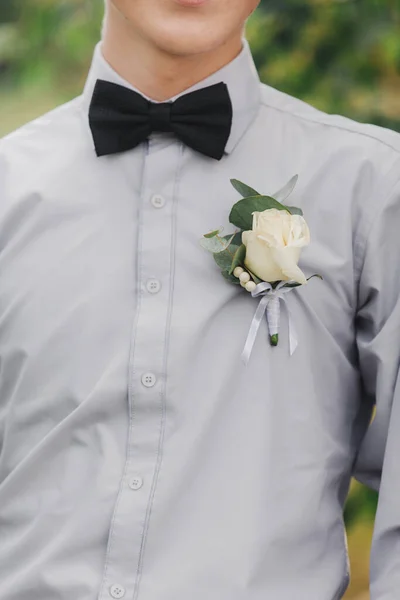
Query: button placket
x=146, y=363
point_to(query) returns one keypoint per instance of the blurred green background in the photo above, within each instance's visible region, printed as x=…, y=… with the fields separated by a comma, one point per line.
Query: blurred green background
x=342, y=56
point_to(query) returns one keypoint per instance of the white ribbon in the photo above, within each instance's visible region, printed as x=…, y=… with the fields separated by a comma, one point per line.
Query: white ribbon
x=269, y=304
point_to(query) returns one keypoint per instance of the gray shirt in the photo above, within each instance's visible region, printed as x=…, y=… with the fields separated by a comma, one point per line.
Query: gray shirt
x=139, y=456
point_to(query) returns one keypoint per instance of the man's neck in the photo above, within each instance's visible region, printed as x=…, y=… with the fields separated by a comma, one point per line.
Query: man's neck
x=155, y=73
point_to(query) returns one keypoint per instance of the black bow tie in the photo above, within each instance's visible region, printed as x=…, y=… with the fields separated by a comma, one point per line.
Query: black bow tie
x=120, y=118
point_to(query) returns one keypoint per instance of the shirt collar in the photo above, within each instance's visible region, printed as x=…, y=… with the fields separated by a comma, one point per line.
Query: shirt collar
x=240, y=75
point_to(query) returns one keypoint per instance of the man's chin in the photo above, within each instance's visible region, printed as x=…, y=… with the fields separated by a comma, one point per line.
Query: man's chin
x=195, y=41
x=187, y=45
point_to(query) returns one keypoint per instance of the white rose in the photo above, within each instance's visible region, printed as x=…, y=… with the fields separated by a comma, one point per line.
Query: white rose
x=273, y=246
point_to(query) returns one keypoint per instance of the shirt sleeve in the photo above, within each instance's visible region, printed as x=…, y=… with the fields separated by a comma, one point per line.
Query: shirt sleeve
x=378, y=341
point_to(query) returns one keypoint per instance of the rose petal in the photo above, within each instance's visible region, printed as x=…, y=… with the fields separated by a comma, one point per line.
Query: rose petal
x=245, y=237
x=259, y=259
x=270, y=240
x=286, y=259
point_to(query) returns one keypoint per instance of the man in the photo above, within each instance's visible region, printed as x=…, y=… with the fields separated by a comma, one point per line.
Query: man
x=140, y=458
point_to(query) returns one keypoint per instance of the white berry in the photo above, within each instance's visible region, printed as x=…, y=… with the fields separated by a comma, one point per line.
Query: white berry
x=244, y=277
x=250, y=286
x=238, y=271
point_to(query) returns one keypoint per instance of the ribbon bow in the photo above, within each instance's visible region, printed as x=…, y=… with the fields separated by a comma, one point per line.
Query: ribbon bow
x=270, y=305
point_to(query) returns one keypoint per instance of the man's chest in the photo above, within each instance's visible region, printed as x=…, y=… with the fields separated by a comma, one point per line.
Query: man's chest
x=111, y=276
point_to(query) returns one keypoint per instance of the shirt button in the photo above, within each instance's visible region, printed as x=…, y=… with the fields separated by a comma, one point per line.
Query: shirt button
x=157, y=201
x=148, y=379
x=153, y=286
x=117, y=591
x=136, y=483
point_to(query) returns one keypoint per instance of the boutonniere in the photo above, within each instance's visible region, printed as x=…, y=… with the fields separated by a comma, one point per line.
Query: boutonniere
x=262, y=256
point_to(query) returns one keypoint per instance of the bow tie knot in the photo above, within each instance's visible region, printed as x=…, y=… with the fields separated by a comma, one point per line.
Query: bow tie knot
x=160, y=116
x=121, y=118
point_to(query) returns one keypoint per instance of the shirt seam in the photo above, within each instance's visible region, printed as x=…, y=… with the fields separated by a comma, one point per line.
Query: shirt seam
x=332, y=125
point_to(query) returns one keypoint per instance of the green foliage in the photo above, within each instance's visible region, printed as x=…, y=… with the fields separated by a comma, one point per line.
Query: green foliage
x=341, y=56
x=8, y=11
x=52, y=42
x=224, y=259
x=361, y=504
x=241, y=213
x=238, y=258
x=215, y=243
x=243, y=189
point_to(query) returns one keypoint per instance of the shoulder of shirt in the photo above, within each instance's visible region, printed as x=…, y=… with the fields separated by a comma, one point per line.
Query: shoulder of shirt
x=352, y=131
x=42, y=131
x=45, y=149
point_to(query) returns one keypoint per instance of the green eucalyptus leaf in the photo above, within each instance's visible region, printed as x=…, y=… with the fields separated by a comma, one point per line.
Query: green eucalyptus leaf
x=224, y=259
x=212, y=245
x=241, y=213
x=212, y=233
x=238, y=259
x=243, y=189
x=237, y=238
x=282, y=194
x=216, y=243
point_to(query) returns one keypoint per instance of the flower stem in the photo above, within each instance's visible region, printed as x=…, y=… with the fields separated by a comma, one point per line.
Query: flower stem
x=274, y=339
